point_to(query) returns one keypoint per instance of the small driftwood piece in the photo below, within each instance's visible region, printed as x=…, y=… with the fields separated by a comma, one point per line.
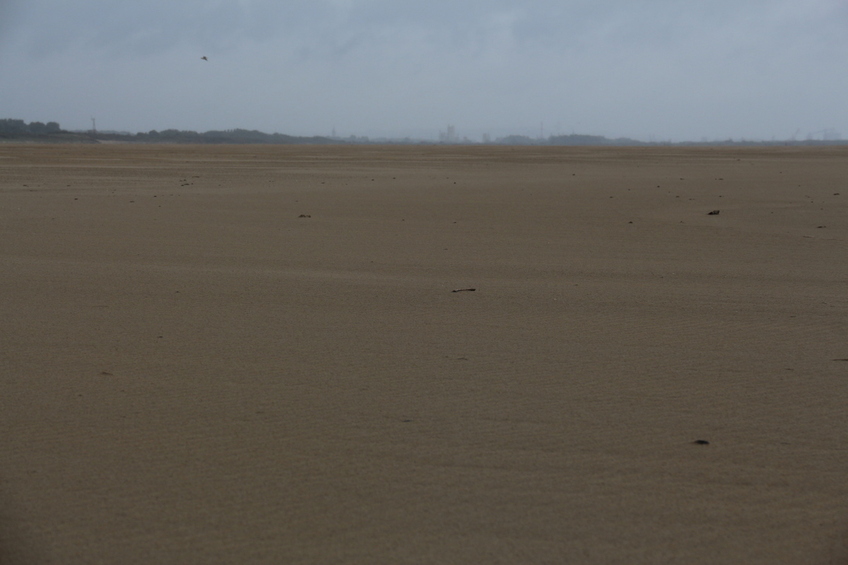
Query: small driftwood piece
x=464, y=290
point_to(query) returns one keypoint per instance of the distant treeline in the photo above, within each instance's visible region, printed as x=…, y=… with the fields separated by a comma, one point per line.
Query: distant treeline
x=19, y=130
x=20, y=127
x=225, y=136
x=51, y=132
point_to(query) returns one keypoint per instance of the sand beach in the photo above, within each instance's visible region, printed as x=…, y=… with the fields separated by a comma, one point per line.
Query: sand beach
x=256, y=354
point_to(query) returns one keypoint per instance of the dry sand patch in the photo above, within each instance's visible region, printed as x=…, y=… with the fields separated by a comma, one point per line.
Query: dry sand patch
x=253, y=354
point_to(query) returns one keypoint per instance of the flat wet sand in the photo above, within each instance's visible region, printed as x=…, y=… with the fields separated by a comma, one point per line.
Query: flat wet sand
x=253, y=354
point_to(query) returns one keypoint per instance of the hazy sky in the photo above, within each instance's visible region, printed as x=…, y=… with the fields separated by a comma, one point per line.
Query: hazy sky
x=649, y=69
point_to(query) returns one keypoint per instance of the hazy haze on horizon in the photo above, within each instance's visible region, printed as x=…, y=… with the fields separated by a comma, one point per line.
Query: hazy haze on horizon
x=658, y=69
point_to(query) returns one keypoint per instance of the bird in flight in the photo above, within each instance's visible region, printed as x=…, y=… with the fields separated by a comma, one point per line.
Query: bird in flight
x=204, y=58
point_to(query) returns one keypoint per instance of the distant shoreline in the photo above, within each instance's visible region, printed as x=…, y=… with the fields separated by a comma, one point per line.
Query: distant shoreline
x=253, y=137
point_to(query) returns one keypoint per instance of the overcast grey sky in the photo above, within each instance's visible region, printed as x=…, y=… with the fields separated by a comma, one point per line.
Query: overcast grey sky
x=649, y=69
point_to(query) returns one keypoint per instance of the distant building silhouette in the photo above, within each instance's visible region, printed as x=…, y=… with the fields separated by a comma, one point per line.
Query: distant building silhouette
x=448, y=136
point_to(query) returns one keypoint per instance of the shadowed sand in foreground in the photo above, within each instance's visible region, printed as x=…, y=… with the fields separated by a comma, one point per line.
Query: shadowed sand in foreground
x=266, y=354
